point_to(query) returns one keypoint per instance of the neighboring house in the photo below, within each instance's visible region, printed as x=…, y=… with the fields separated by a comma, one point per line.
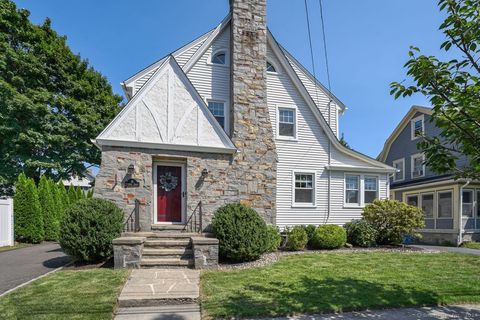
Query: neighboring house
x=233, y=117
x=86, y=182
x=452, y=214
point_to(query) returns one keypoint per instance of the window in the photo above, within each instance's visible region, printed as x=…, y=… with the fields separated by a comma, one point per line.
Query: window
x=304, y=188
x=478, y=207
x=270, y=67
x=400, y=166
x=218, y=111
x=286, y=122
x=352, y=188
x=445, y=205
x=418, y=168
x=370, y=189
x=427, y=205
x=219, y=58
x=412, y=200
x=467, y=203
x=417, y=126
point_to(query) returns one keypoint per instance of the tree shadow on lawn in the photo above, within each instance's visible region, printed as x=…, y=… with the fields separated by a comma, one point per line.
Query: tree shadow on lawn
x=318, y=296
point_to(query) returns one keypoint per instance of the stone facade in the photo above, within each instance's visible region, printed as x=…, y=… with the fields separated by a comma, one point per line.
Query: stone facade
x=127, y=252
x=254, y=167
x=205, y=252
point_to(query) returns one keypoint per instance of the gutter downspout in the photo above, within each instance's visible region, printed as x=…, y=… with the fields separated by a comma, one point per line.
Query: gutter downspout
x=329, y=163
x=460, y=214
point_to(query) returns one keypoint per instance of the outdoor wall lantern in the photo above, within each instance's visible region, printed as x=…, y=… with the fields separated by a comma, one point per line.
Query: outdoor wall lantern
x=204, y=173
x=131, y=169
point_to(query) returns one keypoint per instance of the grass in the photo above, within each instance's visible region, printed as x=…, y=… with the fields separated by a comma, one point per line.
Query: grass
x=66, y=294
x=17, y=245
x=335, y=282
x=471, y=245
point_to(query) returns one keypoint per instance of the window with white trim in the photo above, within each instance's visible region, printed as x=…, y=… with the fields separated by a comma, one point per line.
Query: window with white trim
x=417, y=165
x=271, y=67
x=427, y=204
x=370, y=189
x=219, y=58
x=417, y=127
x=399, y=165
x=445, y=204
x=217, y=108
x=467, y=203
x=352, y=189
x=286, y=122
x=304, y=188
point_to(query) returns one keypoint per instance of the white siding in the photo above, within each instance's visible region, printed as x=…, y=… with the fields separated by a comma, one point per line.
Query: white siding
x=309, y=153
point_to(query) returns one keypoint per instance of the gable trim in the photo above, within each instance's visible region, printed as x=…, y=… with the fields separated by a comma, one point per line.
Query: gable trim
x=399, y=128
x=313, y=107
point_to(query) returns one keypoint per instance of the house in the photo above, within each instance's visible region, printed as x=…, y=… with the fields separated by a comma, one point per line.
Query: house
x=233, y=117
x=450, y=206
x=86, y=182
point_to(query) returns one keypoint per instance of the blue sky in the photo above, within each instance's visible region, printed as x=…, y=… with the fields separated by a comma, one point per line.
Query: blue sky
x=367, y=41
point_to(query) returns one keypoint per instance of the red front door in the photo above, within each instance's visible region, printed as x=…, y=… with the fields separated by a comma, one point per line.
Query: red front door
x=169, y=194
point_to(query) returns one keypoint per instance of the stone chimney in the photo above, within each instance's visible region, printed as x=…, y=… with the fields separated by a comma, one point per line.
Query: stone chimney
x=255, y=165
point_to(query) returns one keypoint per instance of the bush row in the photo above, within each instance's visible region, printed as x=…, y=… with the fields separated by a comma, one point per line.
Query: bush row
x=321, y=237
x=39, y=209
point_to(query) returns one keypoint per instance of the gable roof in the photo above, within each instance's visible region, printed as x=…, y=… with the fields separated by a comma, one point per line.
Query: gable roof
x=277, y=50
x=399, y=128
x=149, y=122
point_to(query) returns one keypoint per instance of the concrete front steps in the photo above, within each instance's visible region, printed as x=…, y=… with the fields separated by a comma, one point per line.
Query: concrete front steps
x=179, y=311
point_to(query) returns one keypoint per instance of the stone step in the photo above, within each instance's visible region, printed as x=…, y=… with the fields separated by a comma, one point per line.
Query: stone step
x=167, y=243
x=168, y=227
x=165, y=262
x=167, y=252
x=162, y=235
x=188, y=311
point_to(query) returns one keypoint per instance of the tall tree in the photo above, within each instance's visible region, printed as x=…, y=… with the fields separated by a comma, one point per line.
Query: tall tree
x=52, y=102
x=46, y=195
x=453, y=88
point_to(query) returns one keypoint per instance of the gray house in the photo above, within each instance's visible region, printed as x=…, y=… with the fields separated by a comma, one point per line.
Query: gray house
x=452, y=214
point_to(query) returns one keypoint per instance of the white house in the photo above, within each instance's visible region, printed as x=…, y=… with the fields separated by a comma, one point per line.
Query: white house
x=233, y=117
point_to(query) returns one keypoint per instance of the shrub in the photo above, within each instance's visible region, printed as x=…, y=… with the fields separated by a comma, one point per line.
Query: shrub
x=360, y=233
x=274, y=238
x=310, y=230
x=27, y=212
x=51, y=224
x=329, y=236
x=88, y=228
x=297, y=238
x=241, y=232
x=393, y=219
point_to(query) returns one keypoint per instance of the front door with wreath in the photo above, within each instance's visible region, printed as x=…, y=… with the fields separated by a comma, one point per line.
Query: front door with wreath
x=169, y=193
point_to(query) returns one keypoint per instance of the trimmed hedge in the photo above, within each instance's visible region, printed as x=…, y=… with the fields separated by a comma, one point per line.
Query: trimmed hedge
x=242, y=233
x=274, y=238
x=297, y=238
x=360, y=233
x=329, y=236
x=88, y=228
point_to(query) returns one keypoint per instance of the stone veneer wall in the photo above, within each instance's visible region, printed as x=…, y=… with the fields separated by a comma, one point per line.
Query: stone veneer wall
x=254, y=168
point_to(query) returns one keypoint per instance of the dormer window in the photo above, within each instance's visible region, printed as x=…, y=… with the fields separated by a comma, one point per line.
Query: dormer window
x=418, y=127
x=270, y=67
x=219, y=58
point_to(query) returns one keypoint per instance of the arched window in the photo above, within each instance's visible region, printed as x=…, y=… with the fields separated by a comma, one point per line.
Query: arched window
x=270, y=67
x=219, y=58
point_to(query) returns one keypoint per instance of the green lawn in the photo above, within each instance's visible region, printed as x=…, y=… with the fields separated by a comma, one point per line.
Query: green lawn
x=66, y=294
x=17, y=245
x=471, y=245
x=334, y=282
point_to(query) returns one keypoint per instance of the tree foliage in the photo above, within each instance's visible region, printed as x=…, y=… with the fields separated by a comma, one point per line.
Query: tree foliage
x=50, y=217
x=453, y=88
x=52, y=102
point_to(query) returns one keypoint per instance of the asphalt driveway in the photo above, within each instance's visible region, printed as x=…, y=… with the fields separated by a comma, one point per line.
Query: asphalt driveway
x=449, y=249
x=21, y=265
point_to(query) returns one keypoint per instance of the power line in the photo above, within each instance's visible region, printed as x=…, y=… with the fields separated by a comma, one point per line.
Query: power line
x=325, y=45
x=311, y=48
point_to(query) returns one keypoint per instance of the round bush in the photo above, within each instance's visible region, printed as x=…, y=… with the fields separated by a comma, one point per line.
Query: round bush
x=329, y=236
x=310, y=230
x=241, y=232
x=296, y=238
x=88, y=228
x=274, y=238
x=360, y=233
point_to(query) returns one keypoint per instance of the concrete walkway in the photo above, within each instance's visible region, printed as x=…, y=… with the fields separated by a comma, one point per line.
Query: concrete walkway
x=449, y=249
x=21, y=265
x=465, y=312
x=160, y=294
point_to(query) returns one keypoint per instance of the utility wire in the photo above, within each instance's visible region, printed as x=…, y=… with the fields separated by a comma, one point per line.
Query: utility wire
x=325, y=46
x=311, y=48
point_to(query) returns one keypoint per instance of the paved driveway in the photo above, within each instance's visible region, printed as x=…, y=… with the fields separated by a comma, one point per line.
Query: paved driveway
x=449, y=249
x=21, y=265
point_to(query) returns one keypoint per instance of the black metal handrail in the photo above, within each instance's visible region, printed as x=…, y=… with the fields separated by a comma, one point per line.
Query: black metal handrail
x=194, y=222
x=132, y=224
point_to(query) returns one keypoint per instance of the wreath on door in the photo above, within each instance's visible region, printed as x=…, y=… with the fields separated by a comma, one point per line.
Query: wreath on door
x=168, y=182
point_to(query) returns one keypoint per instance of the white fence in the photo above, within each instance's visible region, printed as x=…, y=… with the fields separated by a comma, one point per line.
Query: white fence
x=6, y=222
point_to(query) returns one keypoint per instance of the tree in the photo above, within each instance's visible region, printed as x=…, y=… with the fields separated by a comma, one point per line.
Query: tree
x=453, y=88
x=52, y=102
x=51, y=224
x=344, y=142
x=27, y=211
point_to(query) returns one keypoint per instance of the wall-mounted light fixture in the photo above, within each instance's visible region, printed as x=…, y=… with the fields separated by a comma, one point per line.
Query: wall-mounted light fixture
x=131, y=169
x=204, y=173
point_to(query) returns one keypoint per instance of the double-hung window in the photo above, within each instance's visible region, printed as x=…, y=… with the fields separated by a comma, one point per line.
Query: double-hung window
x=304, y=184
x=218, y=110
x=418, y=168
x=467, y=203
x=418, y=127
x=286, y=123
x=399, y=165
x=371, y=189
x=352, y=189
